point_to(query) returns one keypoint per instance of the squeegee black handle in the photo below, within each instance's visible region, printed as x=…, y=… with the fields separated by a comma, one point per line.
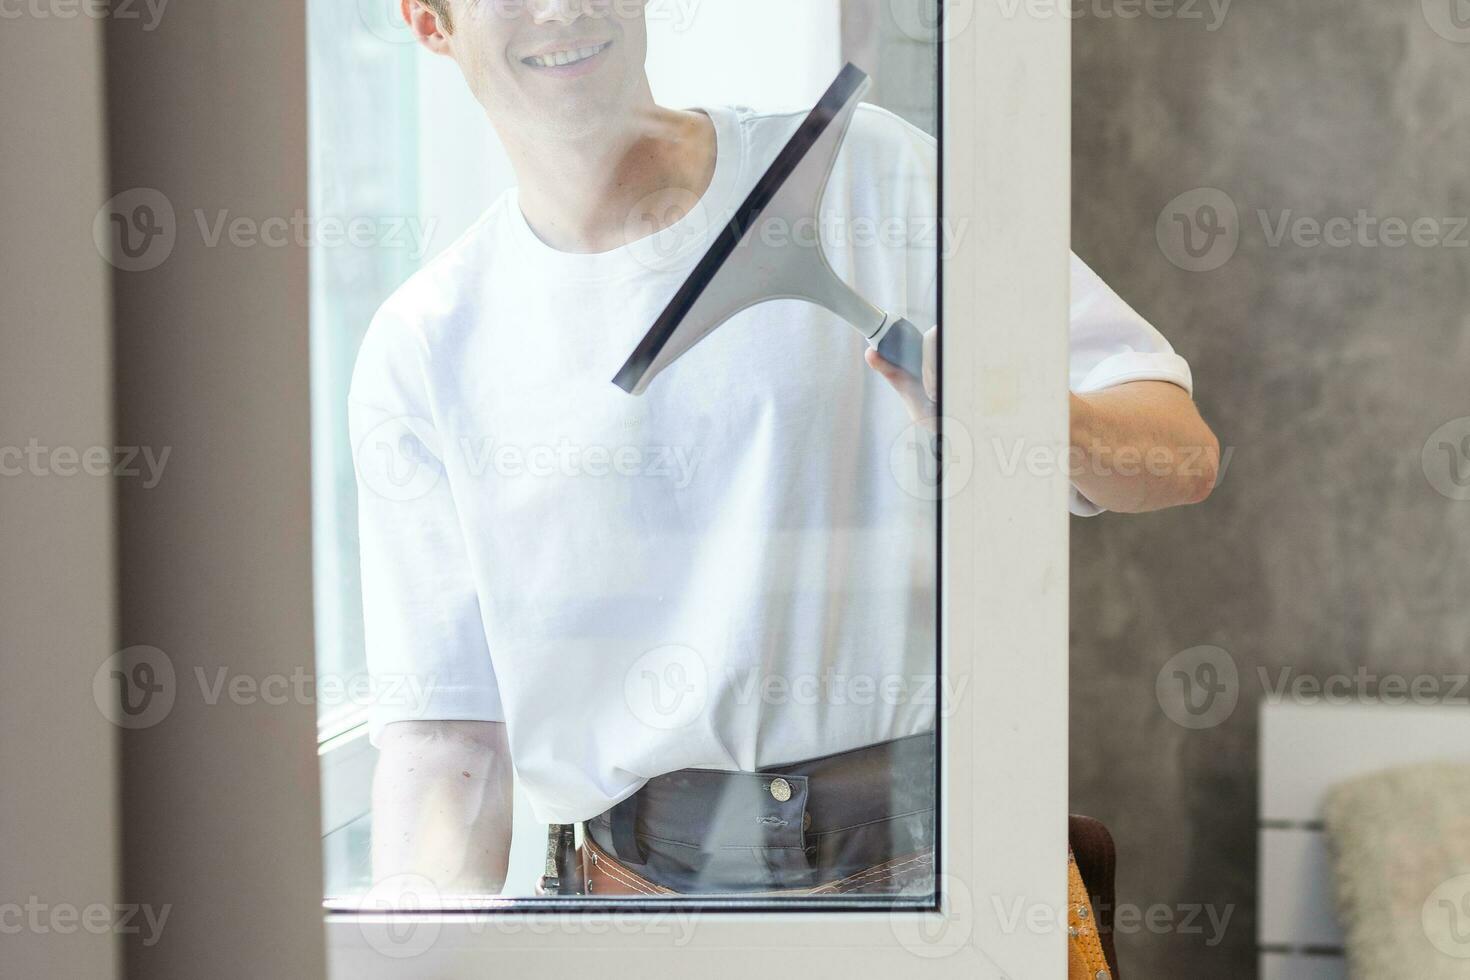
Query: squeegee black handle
x=903, y=346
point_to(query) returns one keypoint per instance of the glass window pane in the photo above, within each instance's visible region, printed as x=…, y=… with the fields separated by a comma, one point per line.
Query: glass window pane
x=630, y=548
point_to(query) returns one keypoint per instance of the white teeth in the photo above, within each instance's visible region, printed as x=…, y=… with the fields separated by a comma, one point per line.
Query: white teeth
x=563, y=58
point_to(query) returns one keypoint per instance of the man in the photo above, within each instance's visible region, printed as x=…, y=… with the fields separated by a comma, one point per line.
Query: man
x=602, y=588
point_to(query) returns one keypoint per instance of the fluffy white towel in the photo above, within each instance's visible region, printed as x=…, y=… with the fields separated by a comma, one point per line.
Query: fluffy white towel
x=1400, y=844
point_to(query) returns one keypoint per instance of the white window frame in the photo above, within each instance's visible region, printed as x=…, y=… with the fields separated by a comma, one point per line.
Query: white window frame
x=1003, y=826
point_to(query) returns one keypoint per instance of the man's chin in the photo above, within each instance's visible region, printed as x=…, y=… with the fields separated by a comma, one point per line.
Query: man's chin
x=580, y=114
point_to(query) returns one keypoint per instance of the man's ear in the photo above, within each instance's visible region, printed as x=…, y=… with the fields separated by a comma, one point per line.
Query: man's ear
x=426, y=25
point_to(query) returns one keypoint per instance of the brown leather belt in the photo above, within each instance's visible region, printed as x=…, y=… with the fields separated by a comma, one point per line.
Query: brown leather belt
x=832, y=825
x=604, y=875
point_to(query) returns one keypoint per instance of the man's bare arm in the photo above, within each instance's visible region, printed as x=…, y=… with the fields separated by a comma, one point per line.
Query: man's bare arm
x=1135, y=448
x=1142, y=447
x=442, y=805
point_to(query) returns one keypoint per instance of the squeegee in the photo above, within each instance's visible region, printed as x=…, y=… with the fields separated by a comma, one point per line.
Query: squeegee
x=741, y=270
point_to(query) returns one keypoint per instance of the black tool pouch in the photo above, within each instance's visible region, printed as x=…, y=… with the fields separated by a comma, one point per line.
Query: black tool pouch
x=563, y=874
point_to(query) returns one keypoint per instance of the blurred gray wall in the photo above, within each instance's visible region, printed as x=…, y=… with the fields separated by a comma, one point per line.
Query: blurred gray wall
x=1326, y=368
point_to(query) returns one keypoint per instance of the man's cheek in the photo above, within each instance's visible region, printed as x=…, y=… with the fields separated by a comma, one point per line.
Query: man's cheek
x=495, y=17
x=502, y=9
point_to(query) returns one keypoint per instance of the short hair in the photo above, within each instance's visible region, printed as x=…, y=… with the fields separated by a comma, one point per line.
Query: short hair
x=440, y=7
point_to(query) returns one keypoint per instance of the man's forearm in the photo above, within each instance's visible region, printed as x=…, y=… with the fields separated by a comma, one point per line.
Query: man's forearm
x=1141, y=447
x=442, y=796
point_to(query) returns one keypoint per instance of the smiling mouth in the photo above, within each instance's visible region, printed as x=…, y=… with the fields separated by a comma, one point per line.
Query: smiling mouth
x=564, y=59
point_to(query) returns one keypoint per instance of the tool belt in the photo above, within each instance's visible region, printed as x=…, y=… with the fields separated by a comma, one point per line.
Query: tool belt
x=856, y=822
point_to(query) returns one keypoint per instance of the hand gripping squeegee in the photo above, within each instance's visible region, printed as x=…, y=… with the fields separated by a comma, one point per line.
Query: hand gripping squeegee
x=741, y=270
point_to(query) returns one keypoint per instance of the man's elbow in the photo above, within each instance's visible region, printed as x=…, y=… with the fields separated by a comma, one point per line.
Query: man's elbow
x=1203, y=476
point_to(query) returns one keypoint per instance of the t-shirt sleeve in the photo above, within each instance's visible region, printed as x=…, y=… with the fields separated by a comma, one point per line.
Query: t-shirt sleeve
x=427, y=651
x=1113, y=345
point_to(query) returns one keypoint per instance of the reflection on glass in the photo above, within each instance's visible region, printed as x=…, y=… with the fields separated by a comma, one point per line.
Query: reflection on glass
x=673, y=636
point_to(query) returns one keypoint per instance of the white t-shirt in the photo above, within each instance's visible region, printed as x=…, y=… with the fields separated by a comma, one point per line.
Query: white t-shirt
x=726, y=572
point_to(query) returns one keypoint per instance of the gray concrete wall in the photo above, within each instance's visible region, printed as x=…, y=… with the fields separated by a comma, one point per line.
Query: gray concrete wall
x=1327, y=547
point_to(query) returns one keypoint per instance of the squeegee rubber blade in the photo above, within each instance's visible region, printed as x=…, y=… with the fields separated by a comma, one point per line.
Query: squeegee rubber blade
x=849, y=82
